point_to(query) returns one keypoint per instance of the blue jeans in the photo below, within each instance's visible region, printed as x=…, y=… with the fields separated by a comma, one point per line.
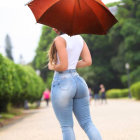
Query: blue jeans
x=69, y=93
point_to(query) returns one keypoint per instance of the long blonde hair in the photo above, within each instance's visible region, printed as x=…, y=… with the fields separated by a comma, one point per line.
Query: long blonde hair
x=52, y=54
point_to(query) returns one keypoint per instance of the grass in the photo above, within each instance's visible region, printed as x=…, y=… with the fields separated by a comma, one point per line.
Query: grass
x=13, y=113
x=10, y=114
x=5, y=116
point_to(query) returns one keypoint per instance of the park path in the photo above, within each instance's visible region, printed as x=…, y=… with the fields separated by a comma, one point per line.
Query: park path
x=117, y=120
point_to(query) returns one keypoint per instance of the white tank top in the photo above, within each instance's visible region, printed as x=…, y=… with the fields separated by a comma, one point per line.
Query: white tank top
x=74, y=46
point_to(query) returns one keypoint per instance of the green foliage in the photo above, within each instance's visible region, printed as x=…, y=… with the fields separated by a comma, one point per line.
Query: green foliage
x=87, y=74
x=113, y=93
x=117, y=93
x=40, y=61
x=126, y=33
x=11, y=113
x=49, y=79
x=18, y=83
x=32, y=86
x=8, y=47
x=135, y=90
x=124, y=93
x=6, y=87
x=101, y=51
x=113, y=4
x=7, y=116
x=134, y=76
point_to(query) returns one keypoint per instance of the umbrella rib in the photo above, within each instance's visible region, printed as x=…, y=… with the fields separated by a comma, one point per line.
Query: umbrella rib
x=48, y=9
x=96, y=17
x=79, y=4
x=107, y=10
x=103, y=6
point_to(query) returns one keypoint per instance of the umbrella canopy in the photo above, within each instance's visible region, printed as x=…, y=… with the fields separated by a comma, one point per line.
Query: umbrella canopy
x=73, y=16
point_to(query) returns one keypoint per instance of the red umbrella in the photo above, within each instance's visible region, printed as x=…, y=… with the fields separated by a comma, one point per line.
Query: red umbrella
x=73, y=16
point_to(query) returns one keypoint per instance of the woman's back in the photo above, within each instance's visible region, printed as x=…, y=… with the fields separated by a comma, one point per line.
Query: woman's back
x=74, y=46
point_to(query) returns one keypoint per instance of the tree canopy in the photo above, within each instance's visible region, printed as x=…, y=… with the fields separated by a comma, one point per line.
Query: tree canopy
x=8, y=47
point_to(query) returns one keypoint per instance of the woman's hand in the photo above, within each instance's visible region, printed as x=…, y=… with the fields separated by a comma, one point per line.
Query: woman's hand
x=50, y=66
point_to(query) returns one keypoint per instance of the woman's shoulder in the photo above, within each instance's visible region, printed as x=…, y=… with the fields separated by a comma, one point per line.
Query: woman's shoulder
x=59, y=38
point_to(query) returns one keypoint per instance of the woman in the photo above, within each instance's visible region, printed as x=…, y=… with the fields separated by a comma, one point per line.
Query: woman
x=46, y=96
x=69, y=91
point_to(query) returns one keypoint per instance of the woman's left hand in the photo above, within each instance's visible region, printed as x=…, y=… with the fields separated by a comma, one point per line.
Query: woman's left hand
x=50, y=66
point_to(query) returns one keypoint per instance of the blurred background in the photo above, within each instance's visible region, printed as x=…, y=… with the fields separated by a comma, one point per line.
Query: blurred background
x=23, y=55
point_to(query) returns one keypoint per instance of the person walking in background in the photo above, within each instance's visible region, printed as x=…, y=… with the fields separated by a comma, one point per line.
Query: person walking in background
x=69, y=91
x=46, y=96
x=96, y=90
x=103, y=93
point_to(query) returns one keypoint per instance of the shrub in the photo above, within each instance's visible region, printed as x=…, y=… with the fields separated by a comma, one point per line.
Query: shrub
x=31, y=84
x=113, y=93
x=18, y=83
x=124, y=93
x=6, y=87
x=135, y=90
x=117, y=93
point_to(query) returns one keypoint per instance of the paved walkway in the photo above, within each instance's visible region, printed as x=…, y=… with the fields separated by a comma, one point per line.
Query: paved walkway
x=118, y=120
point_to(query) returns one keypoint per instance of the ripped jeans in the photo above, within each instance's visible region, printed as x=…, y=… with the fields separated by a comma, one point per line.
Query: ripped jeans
x=69, y=93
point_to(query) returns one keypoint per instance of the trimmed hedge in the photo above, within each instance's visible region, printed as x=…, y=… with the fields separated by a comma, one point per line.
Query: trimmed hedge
x=18, y=83
x=135, y=90
x=117, y=93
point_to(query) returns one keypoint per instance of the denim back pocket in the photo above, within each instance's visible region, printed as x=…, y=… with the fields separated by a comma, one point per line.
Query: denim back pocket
x=64, y=84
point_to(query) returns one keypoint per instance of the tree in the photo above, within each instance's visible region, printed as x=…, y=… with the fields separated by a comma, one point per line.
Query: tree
x=8, y=47
x=40, y=61
x=129, y=33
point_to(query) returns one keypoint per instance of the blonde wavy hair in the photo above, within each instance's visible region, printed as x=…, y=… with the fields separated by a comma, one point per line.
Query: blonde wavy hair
x=52, y=54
